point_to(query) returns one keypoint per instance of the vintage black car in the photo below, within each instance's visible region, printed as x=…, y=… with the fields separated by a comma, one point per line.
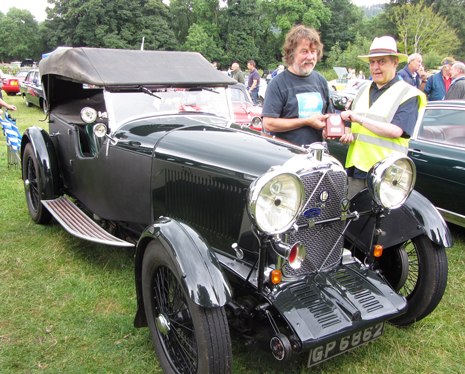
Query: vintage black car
x=235, y=232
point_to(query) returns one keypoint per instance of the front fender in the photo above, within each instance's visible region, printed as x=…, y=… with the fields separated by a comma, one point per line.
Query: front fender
x=202, y=277
x=416, y=217
x=44, y=151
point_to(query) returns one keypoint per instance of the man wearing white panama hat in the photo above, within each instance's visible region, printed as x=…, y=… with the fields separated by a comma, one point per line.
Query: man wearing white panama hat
x=383, y=114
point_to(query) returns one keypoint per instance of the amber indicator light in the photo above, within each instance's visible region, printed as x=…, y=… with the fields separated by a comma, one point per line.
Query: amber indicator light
x=276, y=276
x=378, y=251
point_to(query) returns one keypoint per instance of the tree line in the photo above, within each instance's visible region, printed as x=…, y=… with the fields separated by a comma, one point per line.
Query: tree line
x=236, y=30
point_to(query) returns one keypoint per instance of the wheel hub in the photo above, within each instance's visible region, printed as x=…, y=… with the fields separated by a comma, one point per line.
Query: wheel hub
x=163, y=324
x=26, y=184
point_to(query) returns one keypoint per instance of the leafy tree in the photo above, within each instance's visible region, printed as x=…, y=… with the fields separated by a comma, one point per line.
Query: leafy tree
x=199, y=41
x=346, y=19
x=349, y=57
x=244, y=30
x=110, y=24
x=421, y=30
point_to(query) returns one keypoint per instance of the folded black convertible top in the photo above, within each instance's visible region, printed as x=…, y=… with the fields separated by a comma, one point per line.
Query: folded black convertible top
x=120, y=67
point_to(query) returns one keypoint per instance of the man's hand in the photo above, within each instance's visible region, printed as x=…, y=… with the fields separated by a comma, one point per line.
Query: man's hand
x=317, y=122
x=11, y=107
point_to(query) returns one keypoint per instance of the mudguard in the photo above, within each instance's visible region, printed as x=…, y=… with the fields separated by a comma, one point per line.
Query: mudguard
x=44, y=151
x=202, y=276
x=416, y=217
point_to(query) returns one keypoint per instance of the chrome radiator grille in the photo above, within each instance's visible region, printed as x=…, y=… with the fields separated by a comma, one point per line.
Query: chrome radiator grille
x=323, y=243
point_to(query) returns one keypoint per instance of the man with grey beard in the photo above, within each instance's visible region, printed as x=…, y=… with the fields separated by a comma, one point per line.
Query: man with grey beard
x=297, y=100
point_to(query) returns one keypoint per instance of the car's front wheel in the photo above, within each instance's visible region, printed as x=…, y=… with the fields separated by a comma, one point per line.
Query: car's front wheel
x=417, y=269
x=33, y=186
x=187, y=338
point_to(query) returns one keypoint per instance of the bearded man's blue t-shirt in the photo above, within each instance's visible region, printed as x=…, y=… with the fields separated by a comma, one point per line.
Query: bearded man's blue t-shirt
x=294, y=96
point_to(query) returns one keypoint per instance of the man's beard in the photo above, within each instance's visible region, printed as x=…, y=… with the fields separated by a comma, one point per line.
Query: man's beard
x=305, y=68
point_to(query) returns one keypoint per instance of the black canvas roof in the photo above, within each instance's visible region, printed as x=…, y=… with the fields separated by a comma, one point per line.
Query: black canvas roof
x=120, y=67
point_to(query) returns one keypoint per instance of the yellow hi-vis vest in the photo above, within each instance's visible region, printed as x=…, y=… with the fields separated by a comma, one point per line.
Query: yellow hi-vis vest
x=367, y=147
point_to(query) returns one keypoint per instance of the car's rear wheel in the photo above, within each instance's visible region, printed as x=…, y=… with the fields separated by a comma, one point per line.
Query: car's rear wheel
x=33, y=186
x=417, y=269
x=187, y=338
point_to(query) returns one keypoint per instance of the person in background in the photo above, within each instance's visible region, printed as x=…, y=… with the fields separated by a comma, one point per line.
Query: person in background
x=297, y=100
x=438, y=84
x=457, y=87
x=253, y=82
x=278, y=70
x=236, y=73
x=413, y=73
x=380, y=123
x=361, y=75
x=215, y=64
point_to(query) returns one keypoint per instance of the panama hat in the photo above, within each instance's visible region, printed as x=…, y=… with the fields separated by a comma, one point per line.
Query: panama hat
x=384, y=46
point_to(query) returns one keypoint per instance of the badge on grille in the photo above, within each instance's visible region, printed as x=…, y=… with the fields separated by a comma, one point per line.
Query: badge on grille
x=312, y=213
x=324, y=195
x=345, y=203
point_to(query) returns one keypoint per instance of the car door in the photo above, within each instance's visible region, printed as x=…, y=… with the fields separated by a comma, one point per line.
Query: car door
x=438, y=150
x=33, y=90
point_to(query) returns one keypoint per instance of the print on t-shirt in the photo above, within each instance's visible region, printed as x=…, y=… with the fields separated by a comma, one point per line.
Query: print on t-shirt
x=310, y=104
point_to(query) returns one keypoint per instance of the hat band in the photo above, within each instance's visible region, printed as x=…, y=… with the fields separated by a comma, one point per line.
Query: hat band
x=381, y=50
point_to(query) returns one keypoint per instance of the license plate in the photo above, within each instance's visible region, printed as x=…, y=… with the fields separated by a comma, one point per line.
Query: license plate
x=332, y=349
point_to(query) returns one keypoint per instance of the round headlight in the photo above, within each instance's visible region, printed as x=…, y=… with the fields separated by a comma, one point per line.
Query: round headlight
x=344, y=100
x=275, y=201
x=390, y=181
x=88, y=115
x=100, y=130
x=256, y=122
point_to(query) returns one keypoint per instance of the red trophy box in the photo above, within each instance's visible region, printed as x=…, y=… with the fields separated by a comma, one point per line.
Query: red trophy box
x=334, y=126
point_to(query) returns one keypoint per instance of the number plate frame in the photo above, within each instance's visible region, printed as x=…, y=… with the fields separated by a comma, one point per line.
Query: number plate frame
x=345, y=344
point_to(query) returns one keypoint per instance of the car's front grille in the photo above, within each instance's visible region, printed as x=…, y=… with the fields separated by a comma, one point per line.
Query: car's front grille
x=324, y=242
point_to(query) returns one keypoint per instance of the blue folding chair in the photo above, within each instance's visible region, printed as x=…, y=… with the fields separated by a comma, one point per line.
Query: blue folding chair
x=13, y=139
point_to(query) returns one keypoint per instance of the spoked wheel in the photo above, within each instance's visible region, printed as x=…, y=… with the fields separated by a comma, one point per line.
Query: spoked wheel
x=33, y=187
x=260, y=101
x=187, y=338
x=417, y=269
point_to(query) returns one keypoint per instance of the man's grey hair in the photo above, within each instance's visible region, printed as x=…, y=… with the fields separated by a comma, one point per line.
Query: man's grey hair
x=412, y=57
x=235, y=64
x=460, y=66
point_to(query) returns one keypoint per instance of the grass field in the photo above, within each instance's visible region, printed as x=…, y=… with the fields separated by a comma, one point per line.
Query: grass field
x=67, y=306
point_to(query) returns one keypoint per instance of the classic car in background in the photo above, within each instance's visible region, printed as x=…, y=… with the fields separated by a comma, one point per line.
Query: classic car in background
x=343, y=98
x=245, y=112
x=437, y=147
x=438, y=150
x=235, y=233
x=31, y=90
x=11, y=85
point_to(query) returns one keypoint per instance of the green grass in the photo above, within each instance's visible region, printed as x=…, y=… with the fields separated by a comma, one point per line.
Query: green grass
x=67, y=306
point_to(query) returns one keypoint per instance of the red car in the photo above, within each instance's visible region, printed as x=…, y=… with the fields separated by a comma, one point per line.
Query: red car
x=245, y=112
x=11, y=85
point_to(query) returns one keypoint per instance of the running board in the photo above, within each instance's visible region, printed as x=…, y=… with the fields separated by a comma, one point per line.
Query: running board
x=78, y=224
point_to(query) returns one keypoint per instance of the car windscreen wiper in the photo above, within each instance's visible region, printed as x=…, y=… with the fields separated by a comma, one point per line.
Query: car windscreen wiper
x=148, y=92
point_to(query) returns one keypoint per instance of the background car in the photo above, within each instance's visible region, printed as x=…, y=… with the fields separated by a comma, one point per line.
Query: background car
x=31, y=90
x=343, y=98
x=437, y=147
x=245, y=112
x=11, y=85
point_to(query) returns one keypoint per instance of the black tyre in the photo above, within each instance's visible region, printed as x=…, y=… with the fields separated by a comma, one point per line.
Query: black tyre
x=33, y=187
x=417, y=269
x=260, y=101
x=187, y=338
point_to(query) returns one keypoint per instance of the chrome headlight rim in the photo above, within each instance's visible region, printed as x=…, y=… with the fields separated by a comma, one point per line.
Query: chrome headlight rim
x=255, y=192
x=377, y=176
x=256, y=121
x=88, y=114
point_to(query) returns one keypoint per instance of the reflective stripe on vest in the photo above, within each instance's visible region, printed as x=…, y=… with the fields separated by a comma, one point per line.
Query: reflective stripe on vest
x=369, y=148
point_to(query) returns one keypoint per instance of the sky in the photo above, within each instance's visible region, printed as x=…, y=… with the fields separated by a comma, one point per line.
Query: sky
x=37, y=7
